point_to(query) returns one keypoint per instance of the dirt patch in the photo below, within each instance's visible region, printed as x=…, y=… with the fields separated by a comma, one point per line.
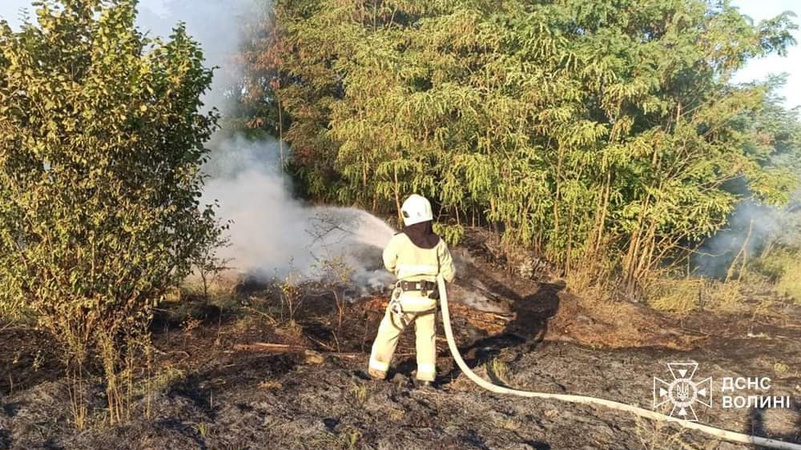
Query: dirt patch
x=618, y=325
x=27, y=358
x=542, y=310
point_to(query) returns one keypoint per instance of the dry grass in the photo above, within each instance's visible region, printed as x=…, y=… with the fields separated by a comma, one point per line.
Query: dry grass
x=658, y=435
x=498, y=370
x=270, y=385
x=583, y=284
x=221, y=287
x=679, y=296
x=16, y=316
x=781, y=369
x=396, y=414
x=359, y=393
x=789, y=283
x=685, y=295
x=347, y=438
x=163, y=380
x=782, y=267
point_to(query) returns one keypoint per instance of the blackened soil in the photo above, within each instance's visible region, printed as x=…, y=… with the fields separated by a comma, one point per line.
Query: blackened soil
x=213, y=388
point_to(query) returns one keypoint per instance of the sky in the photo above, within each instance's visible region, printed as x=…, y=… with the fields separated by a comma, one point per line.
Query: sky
x=154, y=12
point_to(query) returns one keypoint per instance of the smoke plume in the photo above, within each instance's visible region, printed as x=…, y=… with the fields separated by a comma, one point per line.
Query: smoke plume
x=748, y=227
x=271, y=234
x=751, y=228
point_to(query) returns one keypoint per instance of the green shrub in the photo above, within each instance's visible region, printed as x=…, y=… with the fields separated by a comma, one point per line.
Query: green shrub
x=101, y=142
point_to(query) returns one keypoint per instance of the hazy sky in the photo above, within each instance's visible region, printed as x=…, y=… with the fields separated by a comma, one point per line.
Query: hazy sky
x=756, y=9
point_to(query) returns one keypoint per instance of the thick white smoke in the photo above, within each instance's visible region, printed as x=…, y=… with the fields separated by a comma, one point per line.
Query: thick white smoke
x=272, y=235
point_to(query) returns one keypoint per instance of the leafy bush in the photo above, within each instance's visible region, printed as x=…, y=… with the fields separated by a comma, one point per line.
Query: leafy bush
x=101, y=140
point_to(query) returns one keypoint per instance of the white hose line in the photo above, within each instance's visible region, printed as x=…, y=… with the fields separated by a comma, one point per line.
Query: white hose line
x=717, y=432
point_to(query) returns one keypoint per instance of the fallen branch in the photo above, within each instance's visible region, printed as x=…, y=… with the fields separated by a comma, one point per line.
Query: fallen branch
x=321, y=344
x=158, y=351
x=270, y=318
x=12, y=326
x=269, y=347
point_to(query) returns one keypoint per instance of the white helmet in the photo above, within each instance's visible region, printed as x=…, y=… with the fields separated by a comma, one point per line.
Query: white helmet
x=416, y=209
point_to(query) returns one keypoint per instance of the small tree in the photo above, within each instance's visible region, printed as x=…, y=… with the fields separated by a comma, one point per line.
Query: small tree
x=207, y=262
x=101, y=141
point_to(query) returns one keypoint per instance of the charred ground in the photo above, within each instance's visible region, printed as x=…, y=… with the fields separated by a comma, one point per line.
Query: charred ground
x=237, y=376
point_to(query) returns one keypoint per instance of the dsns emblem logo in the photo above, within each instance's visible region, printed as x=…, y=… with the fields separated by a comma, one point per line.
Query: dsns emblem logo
x=682, y=392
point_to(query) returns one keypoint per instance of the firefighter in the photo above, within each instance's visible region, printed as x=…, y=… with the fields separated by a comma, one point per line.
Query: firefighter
x=416, y=256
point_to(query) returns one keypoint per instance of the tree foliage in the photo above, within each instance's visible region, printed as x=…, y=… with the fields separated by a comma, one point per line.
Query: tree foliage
x=101, y=140
x=603, y=134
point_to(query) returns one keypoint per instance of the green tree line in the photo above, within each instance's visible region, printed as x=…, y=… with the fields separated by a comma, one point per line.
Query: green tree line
x=605, y=135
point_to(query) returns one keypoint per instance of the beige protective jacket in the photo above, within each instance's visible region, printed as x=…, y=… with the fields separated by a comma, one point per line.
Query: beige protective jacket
x=411, y=263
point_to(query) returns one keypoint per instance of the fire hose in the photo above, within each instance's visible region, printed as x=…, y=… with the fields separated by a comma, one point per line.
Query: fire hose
x=716, y=432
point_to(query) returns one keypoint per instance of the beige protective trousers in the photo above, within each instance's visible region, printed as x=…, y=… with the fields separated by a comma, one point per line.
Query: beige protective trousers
x=411, y=263
x=392, y=325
